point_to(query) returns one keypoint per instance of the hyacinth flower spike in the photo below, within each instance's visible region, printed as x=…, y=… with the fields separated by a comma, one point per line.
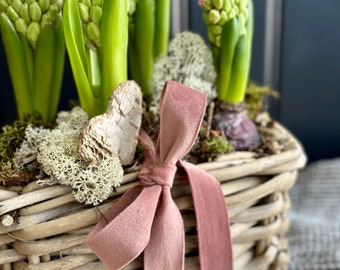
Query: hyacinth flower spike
x=96, y=34
x=33, y=39
x=230, y=31
x=149, y=26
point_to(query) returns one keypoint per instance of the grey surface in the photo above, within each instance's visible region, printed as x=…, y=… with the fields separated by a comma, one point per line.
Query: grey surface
x=314, y=234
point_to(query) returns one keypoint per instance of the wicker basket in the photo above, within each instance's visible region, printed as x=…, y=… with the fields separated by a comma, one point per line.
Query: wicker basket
x=43, y=227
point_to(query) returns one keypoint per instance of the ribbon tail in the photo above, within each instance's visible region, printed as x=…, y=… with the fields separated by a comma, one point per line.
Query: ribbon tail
x=166, y=247
x=123, y=233
x=212, y=220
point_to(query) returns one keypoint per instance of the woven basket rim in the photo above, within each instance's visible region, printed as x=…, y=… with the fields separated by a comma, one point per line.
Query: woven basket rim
x=48, y=217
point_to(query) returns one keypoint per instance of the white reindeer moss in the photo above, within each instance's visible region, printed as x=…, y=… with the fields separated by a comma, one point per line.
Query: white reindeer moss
x=26, y=155
x=189, y=61
x=58, y=158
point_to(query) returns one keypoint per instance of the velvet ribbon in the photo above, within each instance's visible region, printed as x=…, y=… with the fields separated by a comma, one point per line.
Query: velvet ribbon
x=146, y=219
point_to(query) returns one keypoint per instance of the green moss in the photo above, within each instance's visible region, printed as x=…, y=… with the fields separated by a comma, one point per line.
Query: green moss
x=12, y=136
x=210, y=147
x=256, y=99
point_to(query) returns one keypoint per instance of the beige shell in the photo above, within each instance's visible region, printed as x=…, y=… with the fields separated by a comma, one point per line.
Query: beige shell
x=116, y=131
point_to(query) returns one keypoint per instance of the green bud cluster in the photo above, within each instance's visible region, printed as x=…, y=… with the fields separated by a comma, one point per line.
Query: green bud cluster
x=90, y=12
x=30, y=16
x=131, y=11
x=218, y=12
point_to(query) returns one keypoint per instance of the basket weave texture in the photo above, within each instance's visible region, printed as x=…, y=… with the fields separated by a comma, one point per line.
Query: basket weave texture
x=43, y=227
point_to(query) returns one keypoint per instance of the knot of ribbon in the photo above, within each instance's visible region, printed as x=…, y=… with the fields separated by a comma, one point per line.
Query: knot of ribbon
x=146, y=218
x=163, y=174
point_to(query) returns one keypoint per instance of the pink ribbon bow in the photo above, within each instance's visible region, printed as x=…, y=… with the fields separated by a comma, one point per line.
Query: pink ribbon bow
x=147, y=219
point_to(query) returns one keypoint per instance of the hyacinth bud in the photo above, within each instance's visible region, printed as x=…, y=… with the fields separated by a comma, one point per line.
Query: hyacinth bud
x=84, y=12
x=232, y=13
x=24, y=13
x=90, y=15
x=29, y=16
x=226, y=6
x=35, y=12
x=21, y=26
x=12, y=14
x=218, y=12
x=33, y=32
x=59, y=4
x=218, y=4
x=96, y=14
x=3, y=5
x=87, y=3
x=53, y=10
x=44, y=5
x=214, y=34
x=96, y=2
x=223, y=18
x=215, y=29
x=218, y=41
x=50, y=17
x=93, y=33
x=16, y=4
x=211, y=36
x=206, y=5
x=47, y=19
x=214, y=16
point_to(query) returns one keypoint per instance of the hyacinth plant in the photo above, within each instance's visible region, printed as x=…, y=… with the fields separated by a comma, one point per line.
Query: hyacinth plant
x=149, y=26
x=230, y=31
x=33, y=39
x=96, y=35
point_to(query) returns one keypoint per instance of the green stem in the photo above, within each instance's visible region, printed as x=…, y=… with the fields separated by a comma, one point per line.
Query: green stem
x=59, y=55
x=216, y=55
x=28, y=54
x=133, y=60
x=44, y=63
x=229, y=38
x=94, y=73
x=74, y=39
x=241, y=63
x=17, y=65
x=162, y=27
x=114, y=33
x=144, y=36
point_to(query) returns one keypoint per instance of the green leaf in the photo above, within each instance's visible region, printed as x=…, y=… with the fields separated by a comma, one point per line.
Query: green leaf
x=114, y=33
x=58, y=72
x=241, y=63
x=144, y=41
x=229, y=38
x=44, y=62
x=74, y=39
x=17, y=65
x=162, y=27
x=133, y=59
x=94, y=72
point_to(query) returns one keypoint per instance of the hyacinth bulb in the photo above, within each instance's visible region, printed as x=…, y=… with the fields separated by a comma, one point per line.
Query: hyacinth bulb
x=235, y=124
